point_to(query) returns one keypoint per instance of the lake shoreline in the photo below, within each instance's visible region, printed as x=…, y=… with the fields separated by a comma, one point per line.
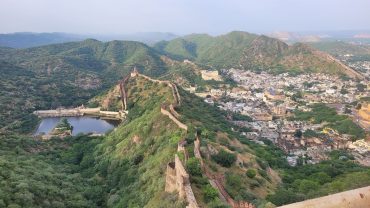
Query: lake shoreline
x=81, y=124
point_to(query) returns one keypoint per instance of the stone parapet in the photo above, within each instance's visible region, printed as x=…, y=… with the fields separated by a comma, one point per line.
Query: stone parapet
x=357, y=198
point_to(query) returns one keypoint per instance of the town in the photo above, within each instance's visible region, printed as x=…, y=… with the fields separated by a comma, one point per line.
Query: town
x=272, y=102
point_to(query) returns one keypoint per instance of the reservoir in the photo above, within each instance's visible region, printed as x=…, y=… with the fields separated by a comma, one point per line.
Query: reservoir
x=82, y=124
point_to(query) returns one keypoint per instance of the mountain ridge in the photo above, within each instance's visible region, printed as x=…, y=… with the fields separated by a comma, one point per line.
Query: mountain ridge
x=253, y=52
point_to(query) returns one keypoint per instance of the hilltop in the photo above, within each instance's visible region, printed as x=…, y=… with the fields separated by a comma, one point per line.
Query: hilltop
x=252, y=52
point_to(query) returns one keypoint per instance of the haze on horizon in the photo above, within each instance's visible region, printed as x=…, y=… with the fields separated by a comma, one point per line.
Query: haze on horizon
x=182, y=16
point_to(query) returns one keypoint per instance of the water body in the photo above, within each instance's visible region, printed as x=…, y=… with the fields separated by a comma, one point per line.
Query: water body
x=82, y=124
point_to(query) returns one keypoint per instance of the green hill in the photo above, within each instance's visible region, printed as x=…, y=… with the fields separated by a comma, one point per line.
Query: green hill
x=127, y=167
x=66, y=74
x=253, y=52
x=341, y=48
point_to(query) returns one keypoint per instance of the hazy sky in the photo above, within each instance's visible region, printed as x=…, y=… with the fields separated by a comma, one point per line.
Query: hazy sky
x=182, y=16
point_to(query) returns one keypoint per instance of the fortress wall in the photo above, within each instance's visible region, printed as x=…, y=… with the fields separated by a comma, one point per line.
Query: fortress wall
x=76, y=112
x=357, y=198
x=58, y=113
x=174, y=119
x=90, y=110
x=109, y=113
x=170, y=178
x=197, y=149
x=177, y=179
x=216, y=181
x=173, y=111
x=123, y=92
x=183, y=184
x=173, y=87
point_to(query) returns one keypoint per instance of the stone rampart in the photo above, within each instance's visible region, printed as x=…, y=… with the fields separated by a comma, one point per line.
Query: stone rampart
x=78, y=112
x=122, y=85
x=177, y=179
x=173, y=111
x=357, y=198
x=217, y=180
x=174, y=119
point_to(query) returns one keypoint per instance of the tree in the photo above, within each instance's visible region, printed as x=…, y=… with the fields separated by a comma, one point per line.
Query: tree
x=224, y=158
x=361, y=87
x=306, y=186
x=251, y=173
x=298, y=133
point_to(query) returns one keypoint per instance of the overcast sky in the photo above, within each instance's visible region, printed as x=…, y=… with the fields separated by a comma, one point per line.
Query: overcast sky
x=182, y=16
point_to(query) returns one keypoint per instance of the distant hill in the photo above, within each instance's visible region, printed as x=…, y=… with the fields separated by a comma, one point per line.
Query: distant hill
x=254, y=52
x=27, y=40
x=341, y=48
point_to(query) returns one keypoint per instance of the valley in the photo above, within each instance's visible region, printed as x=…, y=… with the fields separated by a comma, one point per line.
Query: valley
x=238, y=120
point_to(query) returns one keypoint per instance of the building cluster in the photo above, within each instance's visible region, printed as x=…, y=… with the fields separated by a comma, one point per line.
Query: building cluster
x=270, y=101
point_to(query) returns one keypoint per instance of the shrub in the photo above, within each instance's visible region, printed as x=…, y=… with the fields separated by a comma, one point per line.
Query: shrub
x=193, y=167
x=210, y=193
x=251, y=173
x=224, y=158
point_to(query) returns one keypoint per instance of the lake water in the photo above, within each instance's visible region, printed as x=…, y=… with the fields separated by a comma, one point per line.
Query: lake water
x=80, y=125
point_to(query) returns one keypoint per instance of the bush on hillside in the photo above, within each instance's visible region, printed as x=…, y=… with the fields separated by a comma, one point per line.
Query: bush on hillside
x=224, y=158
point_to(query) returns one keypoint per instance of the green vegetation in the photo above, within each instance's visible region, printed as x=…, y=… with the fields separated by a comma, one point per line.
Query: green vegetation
x=241, y=49
x=47, y=174
x=327, y=177
x=341, y=48
x=63, y=126
x=224, y=158
x=67, y=75
x=321, y=113
x=127, y=167
x=251, y=173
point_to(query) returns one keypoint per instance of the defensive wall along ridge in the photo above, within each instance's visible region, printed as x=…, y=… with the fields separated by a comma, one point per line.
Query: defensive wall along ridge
x=216, y=180
x=177, y=179
x=357, y=198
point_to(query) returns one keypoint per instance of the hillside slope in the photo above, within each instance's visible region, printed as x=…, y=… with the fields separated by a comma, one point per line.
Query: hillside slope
x=336, y=48
x=131, y=166
x=64, y=75
x=250, y=51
